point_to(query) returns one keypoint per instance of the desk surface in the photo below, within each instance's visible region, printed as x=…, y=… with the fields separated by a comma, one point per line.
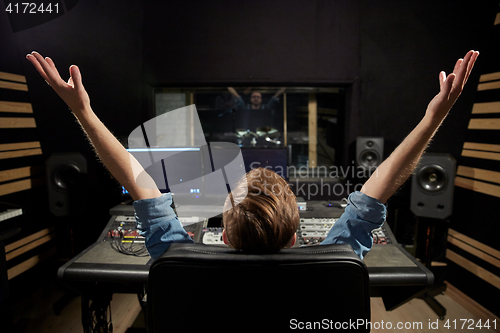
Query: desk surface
x=388, y=264
x=394, y=275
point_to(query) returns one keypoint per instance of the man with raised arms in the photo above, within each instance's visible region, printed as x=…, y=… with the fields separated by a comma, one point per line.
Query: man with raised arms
x=265, y=221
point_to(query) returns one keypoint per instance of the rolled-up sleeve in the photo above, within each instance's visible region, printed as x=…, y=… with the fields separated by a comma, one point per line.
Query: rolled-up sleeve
x=362, y=215
x=159, y=224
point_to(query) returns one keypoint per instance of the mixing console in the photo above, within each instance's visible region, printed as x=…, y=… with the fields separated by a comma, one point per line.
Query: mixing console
x=315, y=224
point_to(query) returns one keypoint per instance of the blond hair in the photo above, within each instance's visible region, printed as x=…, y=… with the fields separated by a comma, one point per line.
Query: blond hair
x=267, y=218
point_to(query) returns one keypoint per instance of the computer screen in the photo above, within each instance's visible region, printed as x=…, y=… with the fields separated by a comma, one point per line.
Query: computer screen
x=186, y=171
x=274, y=158
x=179, y=169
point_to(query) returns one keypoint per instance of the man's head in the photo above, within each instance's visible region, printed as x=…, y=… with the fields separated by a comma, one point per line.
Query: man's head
x=256, y=99
x=266, y=220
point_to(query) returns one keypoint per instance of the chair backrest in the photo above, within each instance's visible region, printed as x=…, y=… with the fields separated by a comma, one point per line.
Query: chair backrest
x=194, y=287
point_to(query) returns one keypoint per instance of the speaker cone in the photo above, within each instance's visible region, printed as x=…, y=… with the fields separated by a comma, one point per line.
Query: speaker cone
x=66, y=176
x=432, y=178
x=369, y=158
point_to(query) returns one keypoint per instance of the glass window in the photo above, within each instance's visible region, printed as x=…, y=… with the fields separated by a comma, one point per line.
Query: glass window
x=308, y=121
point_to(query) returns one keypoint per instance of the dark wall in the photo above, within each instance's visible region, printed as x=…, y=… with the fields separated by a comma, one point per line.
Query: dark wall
x=105, y=40
x=251, y=41
x=404, y=46
x=10, y=56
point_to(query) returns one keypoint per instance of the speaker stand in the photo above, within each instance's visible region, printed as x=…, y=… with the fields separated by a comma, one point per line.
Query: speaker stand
x=428, y=297
x=438, y=288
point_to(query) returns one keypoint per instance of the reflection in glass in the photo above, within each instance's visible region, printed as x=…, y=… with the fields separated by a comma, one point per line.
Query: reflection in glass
x=267, y=117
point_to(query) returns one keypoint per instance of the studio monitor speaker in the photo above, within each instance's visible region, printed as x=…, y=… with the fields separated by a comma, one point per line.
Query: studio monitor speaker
x=369, y=153
x=432, y=186
x=66, y=182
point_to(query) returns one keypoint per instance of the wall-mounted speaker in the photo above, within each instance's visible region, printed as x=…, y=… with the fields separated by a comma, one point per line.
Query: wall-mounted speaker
x=66, y=182
x=432, y=186
x=369, y=153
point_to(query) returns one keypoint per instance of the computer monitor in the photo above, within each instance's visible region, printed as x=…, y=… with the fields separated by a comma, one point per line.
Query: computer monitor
x=274, y=158
x=186, y=170
x=179, y=169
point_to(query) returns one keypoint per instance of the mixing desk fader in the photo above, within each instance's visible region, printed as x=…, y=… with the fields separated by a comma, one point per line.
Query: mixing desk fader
x=313, y=230
x=314, y=225
x=316, y=222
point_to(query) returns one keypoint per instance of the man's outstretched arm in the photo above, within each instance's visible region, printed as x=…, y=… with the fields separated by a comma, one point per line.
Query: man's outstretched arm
x=394, y=171
x=114, y=156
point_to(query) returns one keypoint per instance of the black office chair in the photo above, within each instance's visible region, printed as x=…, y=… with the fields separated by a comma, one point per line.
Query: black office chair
x=197, y=288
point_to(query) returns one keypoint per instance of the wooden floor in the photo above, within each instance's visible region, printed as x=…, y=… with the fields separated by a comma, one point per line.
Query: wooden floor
x=419, y=317
x=416, y=315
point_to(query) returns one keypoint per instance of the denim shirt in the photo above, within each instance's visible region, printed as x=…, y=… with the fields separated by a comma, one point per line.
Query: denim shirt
x=362, y=215
x=158, y=223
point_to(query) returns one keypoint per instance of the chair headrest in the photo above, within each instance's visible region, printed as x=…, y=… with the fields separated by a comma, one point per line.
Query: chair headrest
x=207, y=253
